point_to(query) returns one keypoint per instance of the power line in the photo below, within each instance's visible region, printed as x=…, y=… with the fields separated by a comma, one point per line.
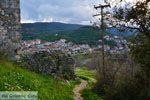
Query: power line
x=102, y=7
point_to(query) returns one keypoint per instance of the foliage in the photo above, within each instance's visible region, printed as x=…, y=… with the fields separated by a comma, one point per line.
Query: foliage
x=84, y=60
x=137, y=15
x=52, y=26
x=90, y=95
x=140, y=51
x=15, y=78
x=86, y=74
x=55, y=63
x=90, y=76
x=140, y=14
x=136, y=88
x=124, y=79
x=83, y=35
x=3, y=55
x=132, y=86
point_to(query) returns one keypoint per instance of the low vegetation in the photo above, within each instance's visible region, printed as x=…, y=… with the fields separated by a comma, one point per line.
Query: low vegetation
x=54, y=63
x=83, y=35
x=15, y=78
x=90, y=76
x=131, y=80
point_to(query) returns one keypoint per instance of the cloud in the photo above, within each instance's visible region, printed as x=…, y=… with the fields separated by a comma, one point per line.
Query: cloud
x=68, y=11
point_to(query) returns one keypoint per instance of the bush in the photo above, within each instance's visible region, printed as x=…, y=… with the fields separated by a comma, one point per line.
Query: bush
x=3, y=55
x=55, y=63
x=131, y=82
x=140, y=51
x=138, y=88
x=119, y=69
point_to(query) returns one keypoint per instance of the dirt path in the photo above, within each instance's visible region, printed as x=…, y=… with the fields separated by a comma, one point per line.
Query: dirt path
x=78, y=89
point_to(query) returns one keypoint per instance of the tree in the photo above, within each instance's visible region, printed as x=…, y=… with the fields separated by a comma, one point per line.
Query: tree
x=136, y=17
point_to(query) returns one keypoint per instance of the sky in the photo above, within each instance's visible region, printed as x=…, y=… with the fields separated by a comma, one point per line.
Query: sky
x=66, y=11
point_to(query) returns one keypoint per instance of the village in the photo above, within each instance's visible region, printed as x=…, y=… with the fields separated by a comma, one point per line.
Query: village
x=37, y=45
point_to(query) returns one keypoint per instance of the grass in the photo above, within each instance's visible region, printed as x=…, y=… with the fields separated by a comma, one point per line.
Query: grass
x=90, y=76
x=15, y=78
x=86, y=74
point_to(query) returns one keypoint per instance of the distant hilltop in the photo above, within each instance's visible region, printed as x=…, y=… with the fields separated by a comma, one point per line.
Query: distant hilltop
x=49, y=26
x=81, y=34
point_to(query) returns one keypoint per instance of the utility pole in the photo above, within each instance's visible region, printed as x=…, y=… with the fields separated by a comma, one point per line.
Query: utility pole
x=102, y=35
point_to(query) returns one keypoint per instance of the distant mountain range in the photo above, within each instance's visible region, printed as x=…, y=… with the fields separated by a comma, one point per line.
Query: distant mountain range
x=71, y=32
x=53, y=26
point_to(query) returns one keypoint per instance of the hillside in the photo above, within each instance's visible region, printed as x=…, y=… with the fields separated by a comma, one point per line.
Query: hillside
x=86, y=34
x=14, y=78
x=53, y=26
x=55, y=31
x=46, y=31
x=71, y=32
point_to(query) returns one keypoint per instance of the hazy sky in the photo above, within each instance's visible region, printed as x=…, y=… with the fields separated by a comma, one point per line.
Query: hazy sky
x=68, y=11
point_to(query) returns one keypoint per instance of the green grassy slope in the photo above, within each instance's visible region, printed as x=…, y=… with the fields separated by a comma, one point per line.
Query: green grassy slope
x=14, y=78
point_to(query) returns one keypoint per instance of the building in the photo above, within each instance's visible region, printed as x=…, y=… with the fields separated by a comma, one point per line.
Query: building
x=9, y=23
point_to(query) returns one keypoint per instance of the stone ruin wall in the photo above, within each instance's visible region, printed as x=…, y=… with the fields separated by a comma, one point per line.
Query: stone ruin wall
x=9, y=24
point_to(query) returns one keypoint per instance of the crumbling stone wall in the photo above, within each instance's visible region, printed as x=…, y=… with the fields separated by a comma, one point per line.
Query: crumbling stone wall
x=9, y=24
x=53, y=62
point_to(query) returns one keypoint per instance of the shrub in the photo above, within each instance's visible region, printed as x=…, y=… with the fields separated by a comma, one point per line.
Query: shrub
x=137, y=88
x=3, y=55
x=119, y=69
x=55, y=63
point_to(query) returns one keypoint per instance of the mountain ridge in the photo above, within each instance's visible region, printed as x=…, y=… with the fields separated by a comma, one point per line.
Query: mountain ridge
x=50, y=26
x=71, y=32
